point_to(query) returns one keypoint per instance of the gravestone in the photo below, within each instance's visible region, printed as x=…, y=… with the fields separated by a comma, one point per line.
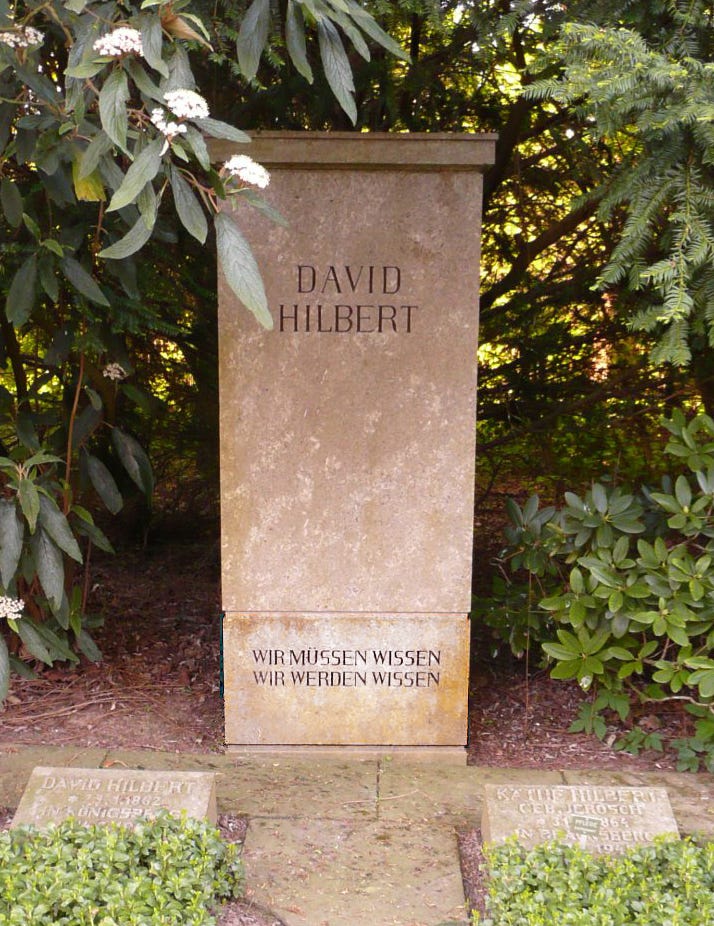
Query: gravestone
x=347, y=444
x=596, y=817
x=93, y=795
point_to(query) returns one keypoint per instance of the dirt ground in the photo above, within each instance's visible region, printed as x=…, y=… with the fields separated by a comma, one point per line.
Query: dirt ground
x=158, y=684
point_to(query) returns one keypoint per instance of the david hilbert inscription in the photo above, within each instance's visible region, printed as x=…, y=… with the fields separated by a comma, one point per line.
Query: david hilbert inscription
x=113, y=795
x=324, y=315
x=598, y=818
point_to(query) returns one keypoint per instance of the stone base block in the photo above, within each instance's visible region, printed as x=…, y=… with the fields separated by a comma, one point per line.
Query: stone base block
x=346, y=679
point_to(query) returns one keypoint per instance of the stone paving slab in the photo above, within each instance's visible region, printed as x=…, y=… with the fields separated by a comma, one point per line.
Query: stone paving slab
x=691, y=796
x=448, y=795
x=331, y=873
x=328, y=790
x=17, y=763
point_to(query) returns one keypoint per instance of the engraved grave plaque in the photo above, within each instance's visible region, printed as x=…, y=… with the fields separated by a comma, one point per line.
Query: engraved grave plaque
x=93, y=795
x=596, y=817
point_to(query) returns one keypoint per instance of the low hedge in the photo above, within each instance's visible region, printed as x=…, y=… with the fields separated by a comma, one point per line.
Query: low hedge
x=168, y=871
x=668, y=883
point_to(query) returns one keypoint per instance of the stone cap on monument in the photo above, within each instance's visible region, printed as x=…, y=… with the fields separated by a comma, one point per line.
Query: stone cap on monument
x=366, y=150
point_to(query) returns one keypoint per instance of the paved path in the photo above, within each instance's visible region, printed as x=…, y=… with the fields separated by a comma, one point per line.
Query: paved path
x=339, y=842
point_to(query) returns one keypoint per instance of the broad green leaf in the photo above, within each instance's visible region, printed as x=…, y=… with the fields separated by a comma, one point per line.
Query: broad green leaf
x=559, y=652
x=375, y=31
x=76, y=6
x=29, y=499
x=12, y=532
x=152, y=42
x=88, y=646
x=217, y=129
x=33, y=641
x=113, y=112
x=144, y=168
x=188, y=207
x=21, y=295
x=257, y=202
x=566, y=670
x=104, y=484
x=133, y=241
x=683, y=491
x=85, y=525
x=599, y=498
x=295, y=40
x=252, y=37
x=100, y=145
x=143, y=81
x=57, y=647
x=55, y=524
x=197, y=143
x=337, y=68
x=50, y=567
x=241, y=271
x=85, y=69
x=11, y=200
x=4, y=669
x=89, y=189
x=82, y=281
x=134, y=460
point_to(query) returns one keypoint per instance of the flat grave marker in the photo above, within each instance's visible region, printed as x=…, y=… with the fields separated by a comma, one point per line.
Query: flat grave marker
x=596, y=817
x=93, y=795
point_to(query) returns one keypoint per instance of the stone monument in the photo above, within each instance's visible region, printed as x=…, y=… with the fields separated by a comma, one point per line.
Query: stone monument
x=348, y=444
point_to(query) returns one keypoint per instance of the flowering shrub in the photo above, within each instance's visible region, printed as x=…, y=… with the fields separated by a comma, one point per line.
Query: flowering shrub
x=103, y=147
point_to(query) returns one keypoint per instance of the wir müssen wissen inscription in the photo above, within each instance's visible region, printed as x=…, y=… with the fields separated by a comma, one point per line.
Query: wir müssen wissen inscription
x=347, y=668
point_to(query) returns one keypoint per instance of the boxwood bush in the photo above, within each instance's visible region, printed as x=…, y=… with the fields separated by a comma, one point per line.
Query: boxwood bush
x=168, y=871
x=668, y=883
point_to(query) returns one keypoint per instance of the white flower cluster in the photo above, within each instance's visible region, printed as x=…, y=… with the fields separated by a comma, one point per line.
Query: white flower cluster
x=247, y=170
x=114, y=371
x=122, y=41
x=22, y=38
x=169, y=129
x=186, y=104
x=11, y=608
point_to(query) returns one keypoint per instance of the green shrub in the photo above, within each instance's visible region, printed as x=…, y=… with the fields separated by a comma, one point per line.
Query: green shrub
x=619, y=592
x=168, y=871
x=664, y=884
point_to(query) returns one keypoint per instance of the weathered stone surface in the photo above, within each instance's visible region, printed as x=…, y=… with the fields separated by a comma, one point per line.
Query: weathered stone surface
x=312, y=872
x=600, y=818
x=347, y=432
x=113, y=795
x=326, y=679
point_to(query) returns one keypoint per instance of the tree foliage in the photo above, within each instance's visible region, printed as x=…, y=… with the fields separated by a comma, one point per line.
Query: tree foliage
x=104, y=160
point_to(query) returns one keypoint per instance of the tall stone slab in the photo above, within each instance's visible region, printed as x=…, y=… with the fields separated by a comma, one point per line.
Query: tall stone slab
x=347, y=444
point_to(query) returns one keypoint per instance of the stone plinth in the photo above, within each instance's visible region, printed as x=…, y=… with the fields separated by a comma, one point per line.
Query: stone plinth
x=93, y=795
x=347, y=432
x=347, y=679
x=597, y=817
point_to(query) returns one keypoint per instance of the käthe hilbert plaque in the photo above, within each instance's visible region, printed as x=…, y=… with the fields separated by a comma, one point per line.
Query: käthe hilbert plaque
x=599, y=818
x=348, y=444
x=93, y=795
